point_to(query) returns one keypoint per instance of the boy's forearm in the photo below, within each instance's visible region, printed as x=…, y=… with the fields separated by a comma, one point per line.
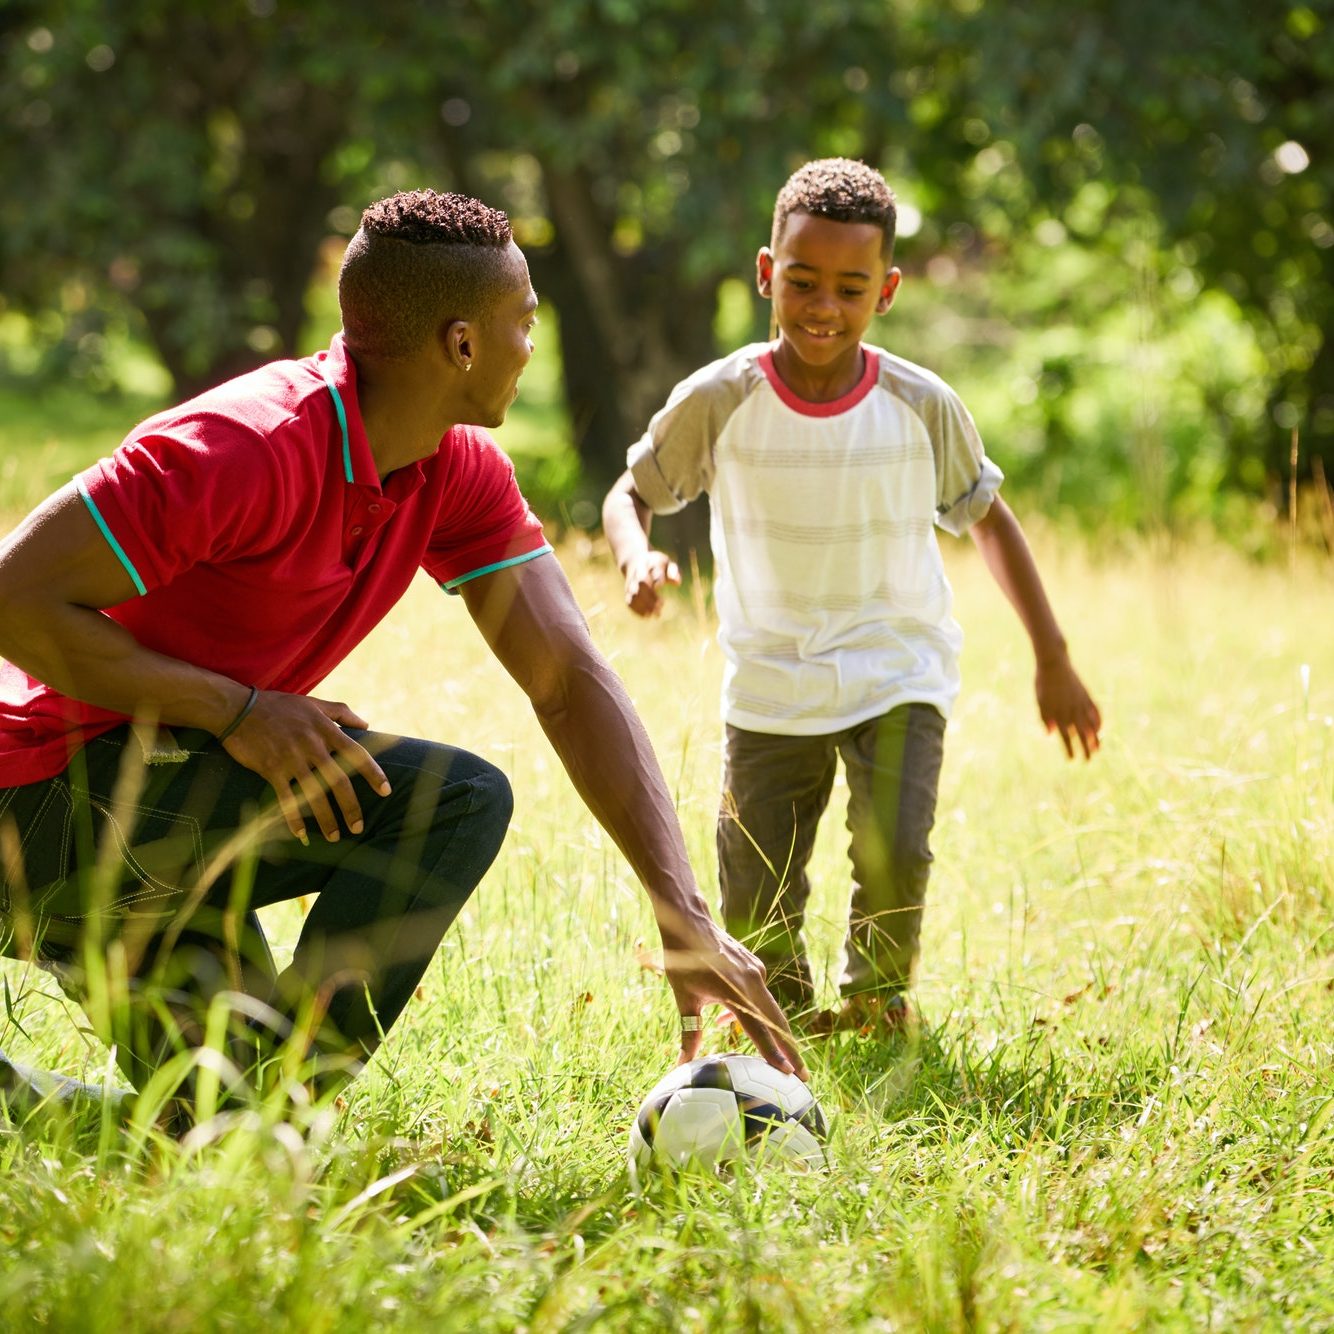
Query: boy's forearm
x=1064, y=704
x=626, y=521
x=1001, y=541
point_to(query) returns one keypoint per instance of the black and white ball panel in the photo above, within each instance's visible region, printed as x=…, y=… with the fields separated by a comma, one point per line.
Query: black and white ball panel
x=720, y=1108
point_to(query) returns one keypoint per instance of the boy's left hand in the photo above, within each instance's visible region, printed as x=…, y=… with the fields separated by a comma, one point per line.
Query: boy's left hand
x=1066, y=706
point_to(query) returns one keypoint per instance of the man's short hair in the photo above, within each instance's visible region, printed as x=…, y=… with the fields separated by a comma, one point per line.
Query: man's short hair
x=839, y=189
x=420, y=260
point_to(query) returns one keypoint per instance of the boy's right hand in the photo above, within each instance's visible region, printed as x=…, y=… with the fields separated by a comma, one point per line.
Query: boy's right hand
x=644, y=575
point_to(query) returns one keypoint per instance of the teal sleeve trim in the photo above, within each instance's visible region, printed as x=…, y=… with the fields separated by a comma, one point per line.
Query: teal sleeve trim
x=110, y=536
x=453, y=585
x=342, y=422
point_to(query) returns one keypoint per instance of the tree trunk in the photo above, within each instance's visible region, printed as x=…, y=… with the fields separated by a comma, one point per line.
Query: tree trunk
x=1316, y=431
x=600, y=427
x=631, y=327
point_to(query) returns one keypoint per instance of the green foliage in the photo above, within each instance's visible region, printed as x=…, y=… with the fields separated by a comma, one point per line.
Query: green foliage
x=1214, y=122
x=1109, y=393
x=639, y=148
x=187, y=169
x=179, y=157
x=51, y=426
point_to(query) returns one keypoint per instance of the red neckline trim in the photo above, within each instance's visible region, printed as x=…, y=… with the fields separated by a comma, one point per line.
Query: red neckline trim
x=870, y=373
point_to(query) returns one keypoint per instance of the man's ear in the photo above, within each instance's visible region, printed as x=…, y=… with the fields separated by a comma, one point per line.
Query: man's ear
x=459, y=338
x=764, y=272
x=888, y=291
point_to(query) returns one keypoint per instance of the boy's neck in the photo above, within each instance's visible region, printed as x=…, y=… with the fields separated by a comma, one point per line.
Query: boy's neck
x=819, y=384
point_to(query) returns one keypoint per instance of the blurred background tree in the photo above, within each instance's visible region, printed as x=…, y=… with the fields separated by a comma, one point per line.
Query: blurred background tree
x=1212, y=124
x=180, y=157
x=1116, y=219
x=649, y=157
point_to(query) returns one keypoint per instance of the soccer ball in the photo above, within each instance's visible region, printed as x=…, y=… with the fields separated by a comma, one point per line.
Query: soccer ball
x=721, y=1108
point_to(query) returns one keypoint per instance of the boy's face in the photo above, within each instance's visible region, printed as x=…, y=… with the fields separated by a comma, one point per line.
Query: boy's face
x=827, y=280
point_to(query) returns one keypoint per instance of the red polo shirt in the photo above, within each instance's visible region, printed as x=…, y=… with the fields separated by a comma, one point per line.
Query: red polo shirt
x=264, y=545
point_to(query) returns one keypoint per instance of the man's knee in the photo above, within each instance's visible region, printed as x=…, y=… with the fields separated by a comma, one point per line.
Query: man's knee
x=493, y=800
x=471, y=818
x=433, y=785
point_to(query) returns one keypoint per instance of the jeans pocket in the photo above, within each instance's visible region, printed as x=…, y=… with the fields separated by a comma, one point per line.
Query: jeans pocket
x=141, y=861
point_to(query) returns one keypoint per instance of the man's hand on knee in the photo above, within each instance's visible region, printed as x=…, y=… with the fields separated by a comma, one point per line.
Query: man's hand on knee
x=298, y=745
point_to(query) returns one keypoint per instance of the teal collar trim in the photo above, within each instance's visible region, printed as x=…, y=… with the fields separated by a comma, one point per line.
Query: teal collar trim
x=342, y=422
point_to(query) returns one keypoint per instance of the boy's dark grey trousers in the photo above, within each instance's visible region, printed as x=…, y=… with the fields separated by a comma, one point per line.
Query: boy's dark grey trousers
x=775, y=789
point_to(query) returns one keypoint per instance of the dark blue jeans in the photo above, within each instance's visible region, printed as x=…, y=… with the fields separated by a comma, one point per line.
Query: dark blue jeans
x=141, y=882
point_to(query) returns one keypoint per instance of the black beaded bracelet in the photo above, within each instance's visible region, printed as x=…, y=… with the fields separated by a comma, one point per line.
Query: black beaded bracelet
x=240, y=717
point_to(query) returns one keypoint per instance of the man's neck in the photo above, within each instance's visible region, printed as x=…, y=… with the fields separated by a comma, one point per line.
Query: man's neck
x=402, y=425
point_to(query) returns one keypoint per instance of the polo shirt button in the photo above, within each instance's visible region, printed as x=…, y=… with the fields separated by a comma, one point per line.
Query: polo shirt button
x=357, y=531
x=375, y=509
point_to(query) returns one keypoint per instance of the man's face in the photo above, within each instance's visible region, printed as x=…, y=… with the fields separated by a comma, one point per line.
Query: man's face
x=827, y=280
x=503, y=345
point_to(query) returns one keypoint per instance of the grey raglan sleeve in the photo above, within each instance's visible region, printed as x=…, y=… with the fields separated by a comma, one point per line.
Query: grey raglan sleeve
x=966, y=480
x=673, y=461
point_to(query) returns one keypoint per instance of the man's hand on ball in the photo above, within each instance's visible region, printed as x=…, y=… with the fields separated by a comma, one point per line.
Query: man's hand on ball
x=705, y=965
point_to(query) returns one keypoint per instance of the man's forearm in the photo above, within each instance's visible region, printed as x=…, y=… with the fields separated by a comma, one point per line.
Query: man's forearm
x=530, y=618
x=89, y=657
x=56, y=571
x=534, y=626
x=55, y=574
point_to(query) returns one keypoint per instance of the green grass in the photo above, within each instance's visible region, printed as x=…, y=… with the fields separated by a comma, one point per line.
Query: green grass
x=48, y=434
x=1117, y=1116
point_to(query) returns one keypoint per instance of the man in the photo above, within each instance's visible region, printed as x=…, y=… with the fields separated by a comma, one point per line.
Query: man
x=164, y=771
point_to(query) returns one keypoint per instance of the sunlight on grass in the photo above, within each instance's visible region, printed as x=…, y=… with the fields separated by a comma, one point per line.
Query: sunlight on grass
x=1117, y=1115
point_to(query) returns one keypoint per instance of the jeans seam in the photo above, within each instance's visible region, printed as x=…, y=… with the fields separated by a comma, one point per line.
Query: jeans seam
x=187, y=822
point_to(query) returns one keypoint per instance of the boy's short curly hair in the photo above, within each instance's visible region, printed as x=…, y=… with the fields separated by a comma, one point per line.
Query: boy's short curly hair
x=842, y=190
x=420, y=260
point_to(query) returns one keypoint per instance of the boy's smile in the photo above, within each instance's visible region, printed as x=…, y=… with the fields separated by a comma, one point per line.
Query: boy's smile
x=827, y=280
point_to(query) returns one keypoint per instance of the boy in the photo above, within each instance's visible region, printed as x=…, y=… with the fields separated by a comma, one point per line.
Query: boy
x=827, y=461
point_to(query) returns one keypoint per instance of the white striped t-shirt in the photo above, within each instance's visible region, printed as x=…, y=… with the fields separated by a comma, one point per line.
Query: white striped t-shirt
x=833, y=606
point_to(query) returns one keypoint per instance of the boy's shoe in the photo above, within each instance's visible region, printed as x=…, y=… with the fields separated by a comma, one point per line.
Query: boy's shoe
x=871, y=1015
x=23, y=1090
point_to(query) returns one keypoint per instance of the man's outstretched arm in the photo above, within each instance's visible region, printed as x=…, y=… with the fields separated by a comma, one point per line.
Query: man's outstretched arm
x=529, y=617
